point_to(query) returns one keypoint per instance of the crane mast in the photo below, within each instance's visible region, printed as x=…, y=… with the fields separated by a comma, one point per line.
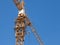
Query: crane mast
x=21, y=23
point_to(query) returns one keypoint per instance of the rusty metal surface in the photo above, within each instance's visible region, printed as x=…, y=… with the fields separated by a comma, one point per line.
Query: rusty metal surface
x=21, y=23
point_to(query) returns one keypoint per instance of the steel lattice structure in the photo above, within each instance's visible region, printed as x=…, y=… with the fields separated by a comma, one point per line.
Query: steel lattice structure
x=21, y=23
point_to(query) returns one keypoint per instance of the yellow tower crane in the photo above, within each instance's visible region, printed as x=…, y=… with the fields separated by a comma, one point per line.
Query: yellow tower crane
x=21, y=23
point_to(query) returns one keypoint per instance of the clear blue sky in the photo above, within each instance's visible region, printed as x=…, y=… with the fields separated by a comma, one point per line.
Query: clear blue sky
x=44, y=14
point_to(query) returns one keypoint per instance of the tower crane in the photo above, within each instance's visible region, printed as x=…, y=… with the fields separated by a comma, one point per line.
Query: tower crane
x=21, y=23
